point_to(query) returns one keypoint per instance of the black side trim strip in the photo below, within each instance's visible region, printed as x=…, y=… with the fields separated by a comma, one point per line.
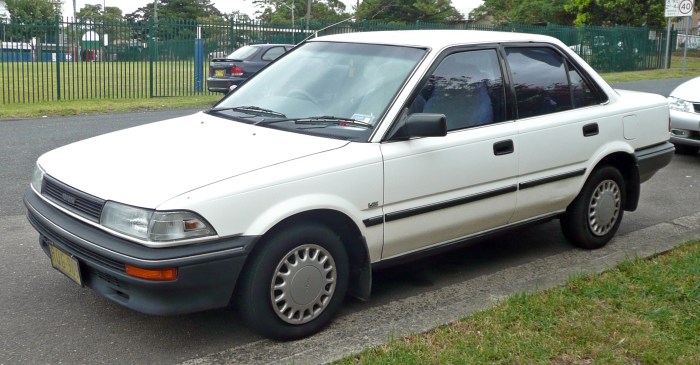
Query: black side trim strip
x=547, y=180
x=449, y=204
x=369, y=222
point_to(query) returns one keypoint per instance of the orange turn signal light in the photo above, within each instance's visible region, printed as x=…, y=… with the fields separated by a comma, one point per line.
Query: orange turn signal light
x=148, y=274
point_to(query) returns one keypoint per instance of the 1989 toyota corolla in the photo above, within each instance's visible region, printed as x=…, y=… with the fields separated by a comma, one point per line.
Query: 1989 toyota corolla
x=286, y=194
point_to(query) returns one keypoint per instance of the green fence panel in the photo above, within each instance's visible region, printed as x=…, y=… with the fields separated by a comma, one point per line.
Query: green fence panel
x=72, y=60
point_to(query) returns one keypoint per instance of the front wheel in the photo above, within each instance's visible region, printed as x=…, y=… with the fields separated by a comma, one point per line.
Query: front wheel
x=592, y=219
x=295, y=284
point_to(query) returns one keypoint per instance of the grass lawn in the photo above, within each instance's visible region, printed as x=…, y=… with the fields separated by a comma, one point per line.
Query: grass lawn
x=692, y=69
x=645, y=311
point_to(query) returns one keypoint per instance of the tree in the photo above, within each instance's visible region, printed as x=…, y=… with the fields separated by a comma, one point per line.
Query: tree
x=278, y=11
x=525, y=11
x=112, y=14
x=30, y=11
x=176, y=9
x=187, y=9
x=90, y=13
x=618, y=12
x=408, y=11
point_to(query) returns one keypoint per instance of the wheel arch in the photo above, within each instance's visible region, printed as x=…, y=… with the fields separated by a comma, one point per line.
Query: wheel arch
x=360, y=279
x=627, y=165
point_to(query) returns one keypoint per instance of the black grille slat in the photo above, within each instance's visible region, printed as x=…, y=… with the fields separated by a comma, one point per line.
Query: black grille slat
x=76, y=201
x=696, y=106
x=84, y=254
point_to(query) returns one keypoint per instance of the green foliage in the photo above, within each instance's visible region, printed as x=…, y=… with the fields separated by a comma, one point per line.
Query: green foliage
x=279, y=12
x=618, y=12
x=95, y=14
x=525, y=11
x=408, y=11
x=26, y=11
x=176, y=9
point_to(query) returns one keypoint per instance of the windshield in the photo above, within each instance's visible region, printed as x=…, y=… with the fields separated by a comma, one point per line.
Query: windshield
x=242, y=53
x=339, y=90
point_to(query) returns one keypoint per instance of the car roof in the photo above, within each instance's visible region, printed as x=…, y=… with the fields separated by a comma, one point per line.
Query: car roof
x=434, y=38
x=270, y=45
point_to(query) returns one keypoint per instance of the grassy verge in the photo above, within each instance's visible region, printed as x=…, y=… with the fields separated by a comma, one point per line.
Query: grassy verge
x=76, y=107
x=642, y=312
x=692, y=69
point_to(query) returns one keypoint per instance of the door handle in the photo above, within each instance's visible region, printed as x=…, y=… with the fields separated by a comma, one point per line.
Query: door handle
x=503, y=147
x=590, y=129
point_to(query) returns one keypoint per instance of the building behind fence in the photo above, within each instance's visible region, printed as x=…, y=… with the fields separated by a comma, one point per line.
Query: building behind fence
x=69, y=60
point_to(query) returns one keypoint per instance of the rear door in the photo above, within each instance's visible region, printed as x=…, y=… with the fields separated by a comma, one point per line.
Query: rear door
x=561, y=123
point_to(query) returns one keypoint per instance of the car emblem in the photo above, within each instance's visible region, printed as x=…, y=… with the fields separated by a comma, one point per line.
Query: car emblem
x=70, y=199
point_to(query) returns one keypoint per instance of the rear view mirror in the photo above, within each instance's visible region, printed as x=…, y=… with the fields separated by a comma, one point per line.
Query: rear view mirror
x=419, y=125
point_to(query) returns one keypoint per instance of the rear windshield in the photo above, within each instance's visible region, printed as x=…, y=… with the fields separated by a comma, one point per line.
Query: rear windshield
x=242, y=53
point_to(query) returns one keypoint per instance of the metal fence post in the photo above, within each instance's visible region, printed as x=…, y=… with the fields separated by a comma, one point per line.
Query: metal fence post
x=151, y=55
x=198, y=61
x=59, y=54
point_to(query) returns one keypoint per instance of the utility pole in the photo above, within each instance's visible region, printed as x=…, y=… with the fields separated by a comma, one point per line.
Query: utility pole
x=308, y=13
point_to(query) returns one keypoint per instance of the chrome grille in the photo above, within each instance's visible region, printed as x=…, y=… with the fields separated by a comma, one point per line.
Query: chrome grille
x=76, y=201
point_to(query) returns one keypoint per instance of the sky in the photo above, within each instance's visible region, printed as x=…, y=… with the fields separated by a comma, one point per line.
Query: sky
x=228, y=6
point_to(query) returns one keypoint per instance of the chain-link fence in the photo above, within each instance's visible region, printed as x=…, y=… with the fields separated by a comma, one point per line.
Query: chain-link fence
x=72, y=60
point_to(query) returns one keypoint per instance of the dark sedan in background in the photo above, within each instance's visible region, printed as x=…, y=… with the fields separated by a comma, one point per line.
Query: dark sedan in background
x=241, y=64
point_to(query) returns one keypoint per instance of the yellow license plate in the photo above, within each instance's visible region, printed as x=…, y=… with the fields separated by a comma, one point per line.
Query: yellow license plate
x=219, y=73
x=65, y=263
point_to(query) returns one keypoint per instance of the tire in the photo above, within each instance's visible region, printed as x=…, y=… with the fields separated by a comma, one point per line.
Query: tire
x=593, y=218
x=295, y=283
x=682, y=149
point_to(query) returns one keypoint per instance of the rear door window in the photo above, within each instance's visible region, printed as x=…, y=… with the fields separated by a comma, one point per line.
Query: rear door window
x=545, y=82
x=540, y=80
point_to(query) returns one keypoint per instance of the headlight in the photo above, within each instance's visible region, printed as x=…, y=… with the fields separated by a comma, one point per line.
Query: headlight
x=680, y=104
x=153, y=225
x=126, y=219
x=37, y=178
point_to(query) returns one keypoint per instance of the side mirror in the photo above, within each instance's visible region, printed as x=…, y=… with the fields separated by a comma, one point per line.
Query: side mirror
x=419, y=125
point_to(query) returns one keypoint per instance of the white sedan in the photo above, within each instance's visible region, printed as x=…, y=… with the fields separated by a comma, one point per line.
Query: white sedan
x=348, y=153
x=684, y=103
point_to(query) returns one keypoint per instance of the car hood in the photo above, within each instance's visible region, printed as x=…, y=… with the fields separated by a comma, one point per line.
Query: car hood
x=147, y=165
x=689, y=90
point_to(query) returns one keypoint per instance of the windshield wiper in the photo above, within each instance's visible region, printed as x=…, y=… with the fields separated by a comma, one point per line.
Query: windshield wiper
x=252, y=109
x=325, y=120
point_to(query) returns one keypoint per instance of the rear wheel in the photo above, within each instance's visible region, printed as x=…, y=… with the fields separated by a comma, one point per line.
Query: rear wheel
x=595, y=215
x=295, y=284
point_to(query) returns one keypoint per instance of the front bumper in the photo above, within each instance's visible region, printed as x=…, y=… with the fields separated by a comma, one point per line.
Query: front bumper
x=207, y=273
x=685, y=128
x=652, y=159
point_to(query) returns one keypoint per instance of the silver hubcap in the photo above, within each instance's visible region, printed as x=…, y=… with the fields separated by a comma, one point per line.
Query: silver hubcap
x=604, y=208
x=303, y=284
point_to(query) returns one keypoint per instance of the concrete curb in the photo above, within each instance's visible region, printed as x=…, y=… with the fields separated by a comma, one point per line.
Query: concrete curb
x=354, y=332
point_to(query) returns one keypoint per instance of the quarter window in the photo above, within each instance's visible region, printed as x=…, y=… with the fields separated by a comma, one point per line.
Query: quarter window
x=581, y=92
x=466, y=87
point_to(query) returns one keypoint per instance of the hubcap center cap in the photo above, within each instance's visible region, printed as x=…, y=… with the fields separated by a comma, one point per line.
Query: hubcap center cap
x=306, y=285
x=606, y=207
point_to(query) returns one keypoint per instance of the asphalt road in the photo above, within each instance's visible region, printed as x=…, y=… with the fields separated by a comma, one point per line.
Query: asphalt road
x=45, y=318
